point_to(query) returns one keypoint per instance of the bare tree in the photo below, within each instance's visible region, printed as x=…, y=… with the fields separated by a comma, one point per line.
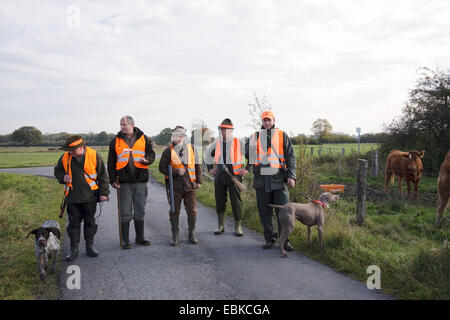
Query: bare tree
x=256, y=109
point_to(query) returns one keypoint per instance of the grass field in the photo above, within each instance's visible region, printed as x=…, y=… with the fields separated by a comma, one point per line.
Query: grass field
x=398, y=234
x=25, y=203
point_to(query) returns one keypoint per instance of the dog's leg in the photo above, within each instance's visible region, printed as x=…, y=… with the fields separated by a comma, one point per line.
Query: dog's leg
x=309, y=236
x=287, y=219
x=55, y=255
x=41, y=268
x=320, y=237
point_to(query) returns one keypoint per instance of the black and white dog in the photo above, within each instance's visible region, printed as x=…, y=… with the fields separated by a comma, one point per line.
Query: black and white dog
x=47, y=246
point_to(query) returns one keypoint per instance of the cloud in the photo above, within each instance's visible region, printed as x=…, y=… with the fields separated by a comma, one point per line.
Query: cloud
x=169, y=62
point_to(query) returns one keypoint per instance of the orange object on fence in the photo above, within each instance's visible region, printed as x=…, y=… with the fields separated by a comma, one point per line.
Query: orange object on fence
x=332, y=187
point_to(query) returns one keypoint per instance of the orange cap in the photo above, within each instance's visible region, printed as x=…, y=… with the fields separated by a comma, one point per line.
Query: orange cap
x=267, y=114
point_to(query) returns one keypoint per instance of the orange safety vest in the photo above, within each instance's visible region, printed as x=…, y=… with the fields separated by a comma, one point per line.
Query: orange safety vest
x=176, y=163
x=236, y=155
x=90, y=169
x=275, y=153
x=123, y=153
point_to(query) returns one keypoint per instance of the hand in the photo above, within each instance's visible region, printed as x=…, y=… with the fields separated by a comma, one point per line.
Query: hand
x=243, y=172
x=181, y=171
x=199, y=185
x=67, y=179
x=116, y=185
x=291, y=182
x=103, y=198
x=213, y=171
x=143, y=161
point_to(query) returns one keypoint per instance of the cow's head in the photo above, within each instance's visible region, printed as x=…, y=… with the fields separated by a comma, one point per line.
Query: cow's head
x=414, y=162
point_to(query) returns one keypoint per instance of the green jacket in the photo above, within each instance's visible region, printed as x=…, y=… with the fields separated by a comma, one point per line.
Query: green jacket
x=82, y=192
x=276, y=181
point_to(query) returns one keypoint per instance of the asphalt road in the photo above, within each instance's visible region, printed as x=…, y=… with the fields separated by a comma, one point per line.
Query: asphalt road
x=219, y=267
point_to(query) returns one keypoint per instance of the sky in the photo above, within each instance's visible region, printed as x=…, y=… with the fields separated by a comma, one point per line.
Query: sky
x=79, y=66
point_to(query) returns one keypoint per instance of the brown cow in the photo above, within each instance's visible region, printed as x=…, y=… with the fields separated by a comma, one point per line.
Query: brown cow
x=404, y=165
x=443, y=189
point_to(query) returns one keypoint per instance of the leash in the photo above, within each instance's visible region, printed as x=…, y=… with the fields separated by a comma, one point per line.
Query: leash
x=309, y=198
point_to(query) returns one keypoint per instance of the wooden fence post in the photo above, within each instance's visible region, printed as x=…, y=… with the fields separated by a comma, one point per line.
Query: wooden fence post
x=375, y=164
x=361, y=191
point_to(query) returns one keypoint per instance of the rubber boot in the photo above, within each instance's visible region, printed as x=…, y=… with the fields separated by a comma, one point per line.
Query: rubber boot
x=125, y=235
x=221, y=220
x=139, y=228
x=90, y=250
x=89, y=232
x=191, y=228
x=74, y=236
x=238, y=228
x=175, y=239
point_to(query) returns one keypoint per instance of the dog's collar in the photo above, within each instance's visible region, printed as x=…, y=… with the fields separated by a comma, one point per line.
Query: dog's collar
x=320, y=202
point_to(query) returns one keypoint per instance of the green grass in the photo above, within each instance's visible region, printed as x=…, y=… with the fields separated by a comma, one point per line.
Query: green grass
x=19, y=157
x=349, y=148
x=25, y=203
x=398, y=236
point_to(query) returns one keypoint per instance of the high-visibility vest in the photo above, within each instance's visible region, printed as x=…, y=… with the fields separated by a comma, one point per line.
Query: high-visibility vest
x=176, y=163
x=123, y=153
x=90, y=169
x=235, y=156
x=275, y=152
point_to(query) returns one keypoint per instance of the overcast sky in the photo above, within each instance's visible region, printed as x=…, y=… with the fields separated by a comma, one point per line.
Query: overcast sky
x=78, y=66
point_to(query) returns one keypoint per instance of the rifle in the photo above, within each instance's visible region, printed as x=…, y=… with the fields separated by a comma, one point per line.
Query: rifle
x=170, y=196
x=236, y=182
x=118, y=211
x=63, y=204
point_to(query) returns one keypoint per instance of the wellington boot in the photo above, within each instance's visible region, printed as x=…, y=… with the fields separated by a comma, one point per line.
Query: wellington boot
x=191, y=228
x=139, y=228
x=221, y=221
x=238, y=228
x=175, y=239
x=125, y=235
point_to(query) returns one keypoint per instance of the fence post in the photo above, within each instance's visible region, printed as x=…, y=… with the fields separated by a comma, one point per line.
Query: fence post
x=375, y=164
x=312, y=151
x=320, y=151
x=361, y=191
x=339, y=165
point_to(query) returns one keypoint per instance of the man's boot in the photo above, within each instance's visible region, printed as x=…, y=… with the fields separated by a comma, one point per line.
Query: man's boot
x=139, y=228
x=90, y=250
x=238, y=228
x=221, y=220
x=191, y=228
x=74, y=236
x=89, y=232
x=174, y=224
x=125, y=226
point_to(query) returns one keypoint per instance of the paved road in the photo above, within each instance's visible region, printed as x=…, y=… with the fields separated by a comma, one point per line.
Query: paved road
x=219, y=267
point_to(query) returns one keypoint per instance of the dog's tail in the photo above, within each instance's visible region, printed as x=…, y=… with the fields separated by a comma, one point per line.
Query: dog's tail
x=276, y=206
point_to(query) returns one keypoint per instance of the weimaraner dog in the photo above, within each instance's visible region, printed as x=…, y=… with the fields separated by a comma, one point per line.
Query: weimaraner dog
x=309, y=214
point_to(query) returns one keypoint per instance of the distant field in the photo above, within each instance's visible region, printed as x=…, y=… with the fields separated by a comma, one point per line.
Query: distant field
x=350, y=148
x=19, y=157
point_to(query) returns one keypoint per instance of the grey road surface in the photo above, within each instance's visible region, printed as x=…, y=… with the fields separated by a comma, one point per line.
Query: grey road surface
x=219, y=267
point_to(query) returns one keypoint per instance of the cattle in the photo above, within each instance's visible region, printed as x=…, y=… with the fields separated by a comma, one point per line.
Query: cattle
x=404, y=165
x=443, y=189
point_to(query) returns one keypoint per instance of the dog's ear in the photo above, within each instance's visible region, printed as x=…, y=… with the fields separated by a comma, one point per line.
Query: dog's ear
x=55, y=231
x=34, y=231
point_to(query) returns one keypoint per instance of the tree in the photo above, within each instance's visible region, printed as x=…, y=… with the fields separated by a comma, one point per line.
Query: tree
x=321, y=128
x=163, y=137
x=425, y=120
x=27, y=135
x=256, y=109
x=102, y=138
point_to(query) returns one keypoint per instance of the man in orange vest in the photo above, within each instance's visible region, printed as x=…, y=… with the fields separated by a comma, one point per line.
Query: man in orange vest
x=227, y=151
x=83, y=172
x=187, y=178
x=130, y=154
x=270, y=153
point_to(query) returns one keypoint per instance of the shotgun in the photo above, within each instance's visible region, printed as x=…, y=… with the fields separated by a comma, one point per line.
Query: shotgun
x=63, y=204
x=171, y=194
x=236, y=182
x=118, y=211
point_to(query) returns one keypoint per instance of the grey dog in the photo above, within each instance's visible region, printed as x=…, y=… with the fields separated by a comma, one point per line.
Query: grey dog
x=309, y=214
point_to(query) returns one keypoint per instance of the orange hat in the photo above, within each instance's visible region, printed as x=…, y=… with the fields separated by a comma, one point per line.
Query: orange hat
x=267, y=114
